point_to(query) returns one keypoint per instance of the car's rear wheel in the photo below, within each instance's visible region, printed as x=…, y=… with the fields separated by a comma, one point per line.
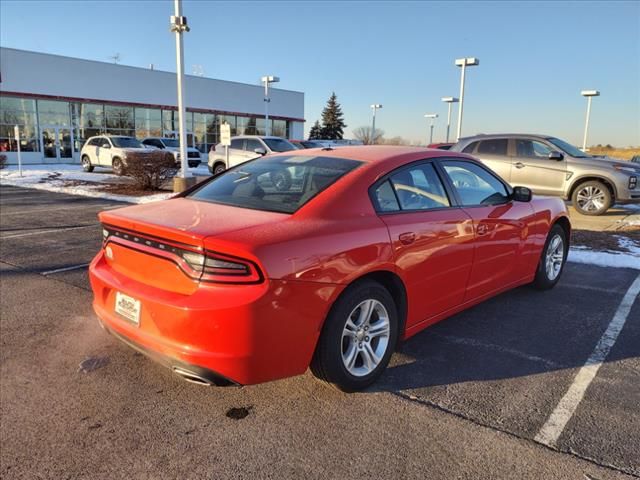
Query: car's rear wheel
x=86, y=164
x=118, y=166
x=592, y=198
x=358, y=337
x=553, y=259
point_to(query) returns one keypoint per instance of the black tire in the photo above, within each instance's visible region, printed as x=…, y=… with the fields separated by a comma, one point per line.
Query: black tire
x=328, y=364
x=117, y=166
x=281, y=180
x=543, y=279
x=86, y=164
x=596, y=190
x=217, y=168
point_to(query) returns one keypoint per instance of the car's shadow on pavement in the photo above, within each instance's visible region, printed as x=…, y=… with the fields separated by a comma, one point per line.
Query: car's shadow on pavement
x=517, y=334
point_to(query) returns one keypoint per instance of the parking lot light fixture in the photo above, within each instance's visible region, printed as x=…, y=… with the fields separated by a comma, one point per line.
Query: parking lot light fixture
x=267, y=80
x=589, y=94
x=374, y=107
x=179, y=26
x=432, y=116
x=464, y=63
x=449, y=101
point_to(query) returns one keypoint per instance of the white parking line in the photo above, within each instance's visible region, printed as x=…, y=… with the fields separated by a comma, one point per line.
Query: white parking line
x=64, y=229
x=499, y=348
x=552, y=429
x=65, y=269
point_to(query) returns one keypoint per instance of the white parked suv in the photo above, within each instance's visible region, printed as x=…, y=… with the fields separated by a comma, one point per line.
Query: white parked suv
x=173, y=145
x=244, y=148
x=109, y=151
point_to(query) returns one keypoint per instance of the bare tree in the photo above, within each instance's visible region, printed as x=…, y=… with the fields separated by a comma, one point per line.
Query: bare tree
x=367, y=136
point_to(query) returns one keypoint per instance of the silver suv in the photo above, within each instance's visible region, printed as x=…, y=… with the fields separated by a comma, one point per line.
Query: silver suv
x=550, y=166
x=244, y=148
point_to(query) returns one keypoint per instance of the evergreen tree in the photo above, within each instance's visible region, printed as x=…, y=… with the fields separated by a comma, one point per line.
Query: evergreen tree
x=332, y=119
x=316, y=131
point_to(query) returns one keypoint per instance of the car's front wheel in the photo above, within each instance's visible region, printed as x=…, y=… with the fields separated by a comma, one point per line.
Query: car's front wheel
x=592, y=198
x=118, y=166
x=358, y=338
x=553, y=258
x=86, y=164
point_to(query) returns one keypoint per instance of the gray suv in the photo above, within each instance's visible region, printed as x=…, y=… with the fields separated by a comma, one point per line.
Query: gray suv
x=550, y=166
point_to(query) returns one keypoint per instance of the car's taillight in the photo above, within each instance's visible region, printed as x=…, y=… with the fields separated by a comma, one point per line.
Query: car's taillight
x=219, y=268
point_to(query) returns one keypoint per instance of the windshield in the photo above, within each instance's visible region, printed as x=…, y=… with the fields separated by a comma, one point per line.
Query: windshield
x=277, y=184
x=279, y=144
x=126, y=142
x=568, y=148
x=171, y=142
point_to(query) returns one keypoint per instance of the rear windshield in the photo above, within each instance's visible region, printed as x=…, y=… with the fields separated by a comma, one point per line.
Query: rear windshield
x=277, y=184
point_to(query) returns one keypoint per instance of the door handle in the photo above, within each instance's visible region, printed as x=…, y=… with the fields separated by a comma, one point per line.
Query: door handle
x=407, y=238
x=519, y=165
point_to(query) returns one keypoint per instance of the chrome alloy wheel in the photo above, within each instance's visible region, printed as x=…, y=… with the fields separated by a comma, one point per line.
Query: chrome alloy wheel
x=591, y=198
x=554, y=257
x=365, y=338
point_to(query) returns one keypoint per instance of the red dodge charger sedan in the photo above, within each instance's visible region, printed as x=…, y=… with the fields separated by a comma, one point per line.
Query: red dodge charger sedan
x=238, y=281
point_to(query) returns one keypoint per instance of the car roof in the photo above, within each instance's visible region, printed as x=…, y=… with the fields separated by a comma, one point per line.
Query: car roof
x=504, y=135
x=259, y=136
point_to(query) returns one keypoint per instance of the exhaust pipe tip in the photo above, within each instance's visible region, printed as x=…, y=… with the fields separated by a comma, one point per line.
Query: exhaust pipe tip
x=192, y=377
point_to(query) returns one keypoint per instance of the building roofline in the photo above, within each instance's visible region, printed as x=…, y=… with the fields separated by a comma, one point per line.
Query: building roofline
x=145, y=69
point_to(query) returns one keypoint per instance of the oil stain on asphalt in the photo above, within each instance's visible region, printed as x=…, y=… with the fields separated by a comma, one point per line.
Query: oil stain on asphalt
x=238, y=413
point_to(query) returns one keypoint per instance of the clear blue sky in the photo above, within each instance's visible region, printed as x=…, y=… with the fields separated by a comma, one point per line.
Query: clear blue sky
x=535, y=57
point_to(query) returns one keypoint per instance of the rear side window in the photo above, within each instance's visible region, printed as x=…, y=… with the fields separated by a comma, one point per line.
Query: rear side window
x=237, y=143
x=497, y=146
x=278, y=184
x=411, y=189
x=470, y=148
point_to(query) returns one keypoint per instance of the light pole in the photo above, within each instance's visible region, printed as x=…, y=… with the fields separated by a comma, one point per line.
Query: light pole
x=464, y=63
x=450, y=101
x=589, y=94
x=179, y=26
x=267, y=80
x=432, y=116
x=374, y=107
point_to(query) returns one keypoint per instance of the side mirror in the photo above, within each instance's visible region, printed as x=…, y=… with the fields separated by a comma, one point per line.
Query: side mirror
x=260, y=151
x=522, y=194
x=105, y=145
x=557, y=156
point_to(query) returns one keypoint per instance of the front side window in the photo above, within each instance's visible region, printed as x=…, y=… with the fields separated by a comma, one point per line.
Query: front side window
x=252, y=144
x=279, y=184
x=531, y=149
x=475, y=185
x=496, y=146
x=568, y=148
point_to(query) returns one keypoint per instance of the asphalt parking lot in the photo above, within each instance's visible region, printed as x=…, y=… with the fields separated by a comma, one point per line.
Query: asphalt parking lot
x=465, y=399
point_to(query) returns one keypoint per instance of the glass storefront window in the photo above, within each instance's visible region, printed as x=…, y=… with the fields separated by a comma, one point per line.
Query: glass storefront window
x=279, y=128
x=171, y=122
x=21, y=112
x=148, y=122
x=119, y=117
x=52, y=112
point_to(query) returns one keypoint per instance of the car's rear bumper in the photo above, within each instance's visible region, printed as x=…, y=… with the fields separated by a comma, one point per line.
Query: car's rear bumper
x=241, y=334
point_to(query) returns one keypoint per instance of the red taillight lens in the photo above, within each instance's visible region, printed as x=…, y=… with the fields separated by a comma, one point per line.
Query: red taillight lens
x=220, y=268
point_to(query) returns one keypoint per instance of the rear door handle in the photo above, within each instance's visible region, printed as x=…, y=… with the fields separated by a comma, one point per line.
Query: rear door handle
x=407, y=238
x=519, y=165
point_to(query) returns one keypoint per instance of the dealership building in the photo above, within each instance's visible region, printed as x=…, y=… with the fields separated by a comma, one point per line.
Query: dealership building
x=58, y=102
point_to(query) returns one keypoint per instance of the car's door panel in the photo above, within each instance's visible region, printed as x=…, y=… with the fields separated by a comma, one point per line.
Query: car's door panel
x=104, y=154
x=533, y=168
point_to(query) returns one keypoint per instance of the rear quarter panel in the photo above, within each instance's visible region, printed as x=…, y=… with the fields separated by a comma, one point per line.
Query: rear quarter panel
x=548, y=211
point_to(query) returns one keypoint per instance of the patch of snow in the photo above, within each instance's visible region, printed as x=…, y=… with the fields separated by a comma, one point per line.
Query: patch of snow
x=39, y=177
x=604, y=259
x=630, y=245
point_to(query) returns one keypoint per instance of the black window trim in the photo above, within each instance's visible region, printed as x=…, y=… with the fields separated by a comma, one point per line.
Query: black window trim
x=486, y=169
x=453, y=200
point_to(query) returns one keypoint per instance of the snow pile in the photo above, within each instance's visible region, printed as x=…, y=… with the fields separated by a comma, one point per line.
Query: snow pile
x=606, y=259
x=54, y=178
